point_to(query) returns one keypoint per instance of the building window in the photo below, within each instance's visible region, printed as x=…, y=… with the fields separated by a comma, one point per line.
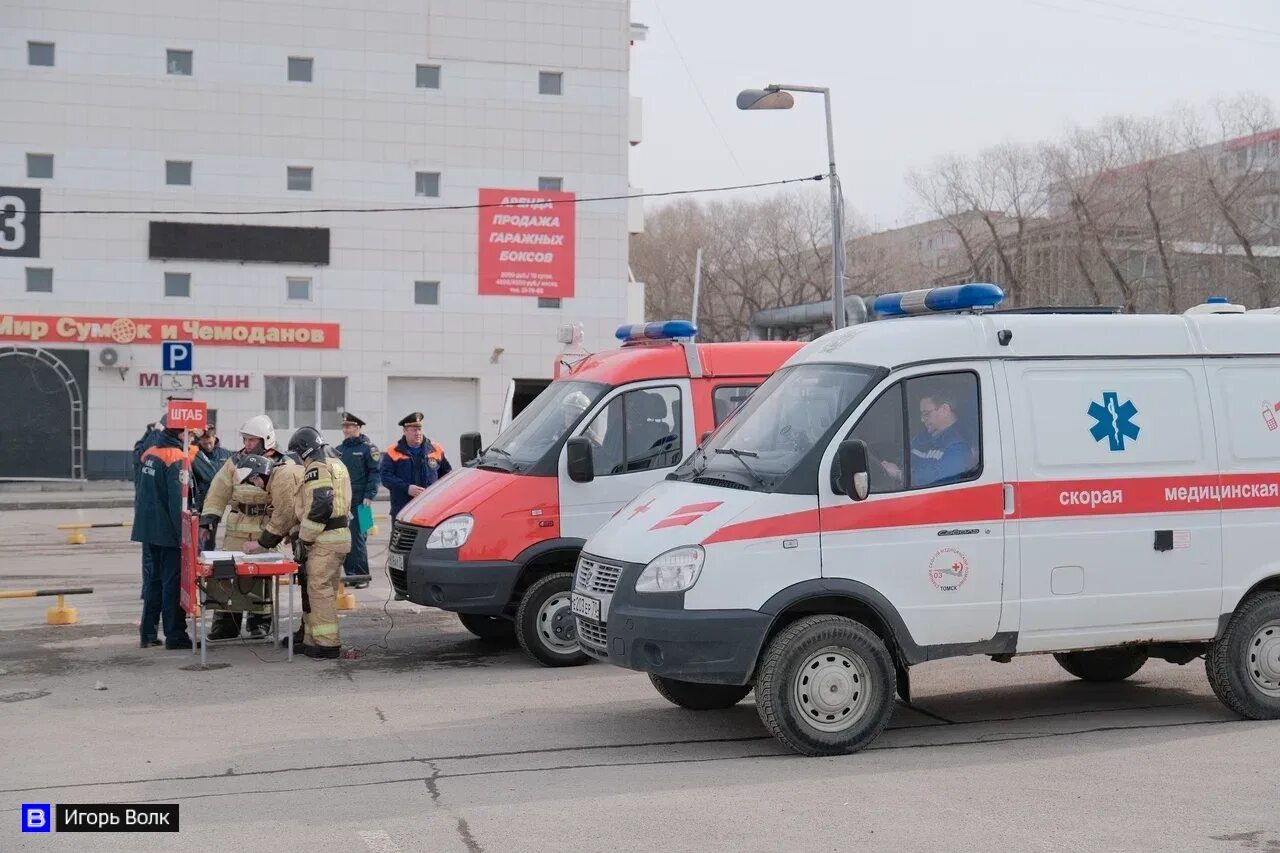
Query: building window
x=39, y=165
x=40, y=53
x=299, y=178
x=178, y=62
x=550, y=83
x=39, y=280
x=300, y=69
x=428, y=76
x=298, y=288
x=548, y=302
x=553, y=185
x=177, y=173
x=177, y=284
x=426, y=293
x=298, y=401
x=426, y=184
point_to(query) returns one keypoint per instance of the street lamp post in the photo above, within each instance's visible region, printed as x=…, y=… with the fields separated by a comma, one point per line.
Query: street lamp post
x=776, y=96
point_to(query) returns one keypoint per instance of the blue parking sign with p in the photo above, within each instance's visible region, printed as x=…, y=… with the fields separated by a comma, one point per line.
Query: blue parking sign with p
x=177, y=356
x=37, y=817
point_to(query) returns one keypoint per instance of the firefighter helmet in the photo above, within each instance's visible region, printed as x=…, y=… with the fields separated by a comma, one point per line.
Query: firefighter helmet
x=306, y=442
x=260, y=426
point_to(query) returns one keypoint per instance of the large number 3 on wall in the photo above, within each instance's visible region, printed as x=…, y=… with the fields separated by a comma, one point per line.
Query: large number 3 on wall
x=13, y=213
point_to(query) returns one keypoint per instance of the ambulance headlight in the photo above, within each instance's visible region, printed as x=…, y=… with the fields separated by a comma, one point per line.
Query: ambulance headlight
x=674, y=571
x=452, y=532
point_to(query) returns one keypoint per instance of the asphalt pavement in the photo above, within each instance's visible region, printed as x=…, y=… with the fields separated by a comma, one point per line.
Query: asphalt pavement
x=432, y=740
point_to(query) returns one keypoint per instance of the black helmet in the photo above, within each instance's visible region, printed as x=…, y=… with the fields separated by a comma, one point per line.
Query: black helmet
x=250, y=465
x=306, y=441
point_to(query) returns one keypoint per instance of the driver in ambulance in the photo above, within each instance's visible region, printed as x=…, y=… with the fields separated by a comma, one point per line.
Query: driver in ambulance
x=941, y=452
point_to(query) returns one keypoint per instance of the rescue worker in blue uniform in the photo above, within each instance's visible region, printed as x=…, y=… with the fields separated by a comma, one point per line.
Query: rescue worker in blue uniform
x=152, y=434
x=362, y=460
x=413, y=464
x=157, y=524
x=941, y=453
x=208, y=461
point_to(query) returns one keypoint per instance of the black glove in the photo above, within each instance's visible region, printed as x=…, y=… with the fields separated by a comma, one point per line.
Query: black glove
x=210, y=521
x=299, y=551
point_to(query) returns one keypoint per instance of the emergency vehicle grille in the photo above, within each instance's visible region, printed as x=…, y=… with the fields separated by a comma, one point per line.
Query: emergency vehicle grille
x=402, y=537
x=593, y=634
x=595, y=576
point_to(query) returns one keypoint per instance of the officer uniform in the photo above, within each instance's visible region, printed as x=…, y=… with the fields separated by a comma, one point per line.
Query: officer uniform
x=250, y=508
x=157, y=524
x=404, y=466
x=361, y=458
x=204, y=467
x=321, y=507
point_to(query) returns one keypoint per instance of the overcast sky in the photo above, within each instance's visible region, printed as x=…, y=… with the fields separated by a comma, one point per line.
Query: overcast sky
x=915, y=79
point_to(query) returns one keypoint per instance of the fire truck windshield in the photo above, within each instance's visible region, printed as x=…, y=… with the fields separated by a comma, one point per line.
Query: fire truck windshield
x=540, y=429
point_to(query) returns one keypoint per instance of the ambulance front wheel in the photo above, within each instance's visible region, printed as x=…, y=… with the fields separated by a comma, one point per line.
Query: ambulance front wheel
x=1103, y=664
x=545, y=624
x=495, y=629
x=825, y=686
x=1243, y=664
x=699, y=697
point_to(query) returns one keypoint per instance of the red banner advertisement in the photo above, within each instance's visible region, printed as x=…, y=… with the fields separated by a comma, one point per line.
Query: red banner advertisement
x=55, y=328
x=527, y=243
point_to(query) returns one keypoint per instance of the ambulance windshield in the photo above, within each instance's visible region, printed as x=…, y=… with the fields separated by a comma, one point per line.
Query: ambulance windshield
x=779, y=425
x=542, y=425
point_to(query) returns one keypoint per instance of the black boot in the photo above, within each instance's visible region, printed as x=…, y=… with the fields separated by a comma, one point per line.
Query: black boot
x=321, y=651
x=299, y=636
x=226, y=626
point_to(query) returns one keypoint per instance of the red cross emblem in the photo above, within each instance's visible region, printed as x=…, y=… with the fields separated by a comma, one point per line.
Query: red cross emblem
x=644, y=507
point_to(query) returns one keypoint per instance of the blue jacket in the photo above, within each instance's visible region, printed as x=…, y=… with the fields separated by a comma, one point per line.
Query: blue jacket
x=404, y=466
x=942, y=458
x=204, y=467
x=157, y=495
x=362, y=458
x=149, y=439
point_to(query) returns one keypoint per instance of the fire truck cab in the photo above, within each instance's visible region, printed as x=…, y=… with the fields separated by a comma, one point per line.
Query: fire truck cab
x=496, y=541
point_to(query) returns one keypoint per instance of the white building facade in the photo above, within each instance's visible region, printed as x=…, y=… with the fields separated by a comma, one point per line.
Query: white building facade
x=190, y=117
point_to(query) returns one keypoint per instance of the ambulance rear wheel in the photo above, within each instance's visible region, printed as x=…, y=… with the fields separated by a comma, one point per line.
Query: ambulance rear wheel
x=699, y=697
x=1243, y=665
x=825, y=686
x=492, y=628
x=545, y=624
x=1103, y=664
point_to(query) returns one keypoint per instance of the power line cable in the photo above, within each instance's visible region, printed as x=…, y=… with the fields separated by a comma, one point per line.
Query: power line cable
x=528, y=203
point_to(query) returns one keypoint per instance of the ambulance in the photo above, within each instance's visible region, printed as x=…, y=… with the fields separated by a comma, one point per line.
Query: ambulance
x=496, y=541
x=1102, y=487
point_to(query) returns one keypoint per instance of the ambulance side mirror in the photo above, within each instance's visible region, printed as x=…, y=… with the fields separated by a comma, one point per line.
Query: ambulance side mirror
x=470, y=446
x=855, y=473
x=581, y=459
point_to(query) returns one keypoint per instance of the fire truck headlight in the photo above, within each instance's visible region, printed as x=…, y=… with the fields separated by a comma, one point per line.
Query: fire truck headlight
x=452, y=532
x=674, y=571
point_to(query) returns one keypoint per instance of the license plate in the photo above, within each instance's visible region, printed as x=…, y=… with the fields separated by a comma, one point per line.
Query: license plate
x=395, y=561
x=587, y=608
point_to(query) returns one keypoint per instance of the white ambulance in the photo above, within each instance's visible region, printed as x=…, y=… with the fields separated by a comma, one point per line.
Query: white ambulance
x=1098, y=486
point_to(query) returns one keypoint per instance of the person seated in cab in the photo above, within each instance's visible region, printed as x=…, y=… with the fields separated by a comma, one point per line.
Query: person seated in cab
x=940, y=453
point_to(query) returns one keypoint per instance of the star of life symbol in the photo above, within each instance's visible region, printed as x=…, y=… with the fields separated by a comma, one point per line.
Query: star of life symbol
x=1114, y=420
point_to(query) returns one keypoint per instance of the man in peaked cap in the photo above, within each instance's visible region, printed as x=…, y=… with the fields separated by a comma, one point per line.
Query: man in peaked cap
x=413, y=464
x=362, y=458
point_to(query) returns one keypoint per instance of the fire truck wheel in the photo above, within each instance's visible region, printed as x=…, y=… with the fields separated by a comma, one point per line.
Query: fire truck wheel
x=545, y=624
x=699, y=697
x=491, y=628
x=1244, y=663
x=825, y=686
x=1103, y=664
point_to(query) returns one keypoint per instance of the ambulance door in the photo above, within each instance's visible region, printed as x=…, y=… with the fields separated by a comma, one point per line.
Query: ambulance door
x=931, y=536
x=639, y=434
x=1117, y=500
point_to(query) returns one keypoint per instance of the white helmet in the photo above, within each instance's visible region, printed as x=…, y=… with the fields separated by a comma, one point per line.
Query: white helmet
x=576, y=400
x=260, y=427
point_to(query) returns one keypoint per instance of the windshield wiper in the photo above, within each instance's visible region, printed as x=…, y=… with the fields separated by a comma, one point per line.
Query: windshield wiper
x=739, y=454
x=514, y=465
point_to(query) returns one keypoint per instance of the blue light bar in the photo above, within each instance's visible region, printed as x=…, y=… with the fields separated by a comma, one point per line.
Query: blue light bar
x=959, y=297
x=665, y=331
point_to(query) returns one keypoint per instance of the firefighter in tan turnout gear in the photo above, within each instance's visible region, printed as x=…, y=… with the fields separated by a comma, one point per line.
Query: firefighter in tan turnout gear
x=322, y=509
x=251, y=508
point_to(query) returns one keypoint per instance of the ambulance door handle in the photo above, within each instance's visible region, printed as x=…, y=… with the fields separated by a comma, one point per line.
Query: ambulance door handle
x=1008, y=499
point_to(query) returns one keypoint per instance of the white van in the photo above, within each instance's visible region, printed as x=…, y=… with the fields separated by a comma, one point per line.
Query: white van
x=1098, y=486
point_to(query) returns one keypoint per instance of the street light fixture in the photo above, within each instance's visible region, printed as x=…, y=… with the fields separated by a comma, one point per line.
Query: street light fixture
x=777, y=96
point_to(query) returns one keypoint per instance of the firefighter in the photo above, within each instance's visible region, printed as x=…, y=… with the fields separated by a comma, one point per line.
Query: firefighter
x=250, y=507
x=361, y=457
x=321, y=507
x=157, y=524
x=413, y=464
x=281, y=480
